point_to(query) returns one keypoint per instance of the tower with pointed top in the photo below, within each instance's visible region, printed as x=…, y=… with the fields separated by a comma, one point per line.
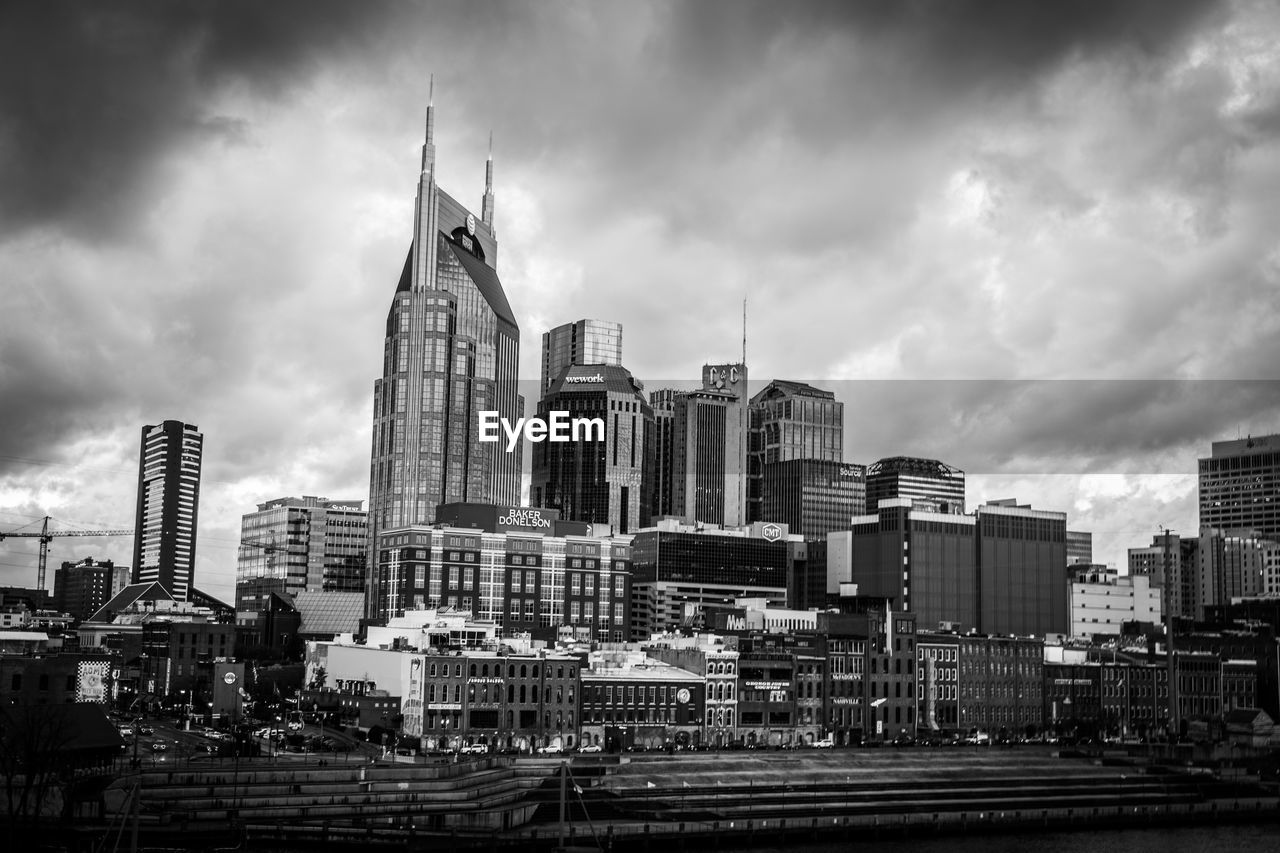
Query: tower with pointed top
x=451, y=351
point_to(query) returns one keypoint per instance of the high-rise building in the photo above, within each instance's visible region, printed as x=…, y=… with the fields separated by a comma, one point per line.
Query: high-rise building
x=291, y=545
x=80, y=589
x=661, y=485
x=998, y=570
x=1079, y=548
x=523, y=569
x=452, y=351
x=813, y=497
x=790, y=420
x=678, y=568
x=597, y=481
x=580, y=342
x=709, y=460
x=164, y=542
x=930, y=485
x=1240, y=486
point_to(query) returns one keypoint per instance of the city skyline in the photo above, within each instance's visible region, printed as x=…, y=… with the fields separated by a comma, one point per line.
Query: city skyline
x=1045, y=197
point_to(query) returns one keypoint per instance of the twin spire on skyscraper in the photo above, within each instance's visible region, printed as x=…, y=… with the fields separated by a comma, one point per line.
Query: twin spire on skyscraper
x=429, y=158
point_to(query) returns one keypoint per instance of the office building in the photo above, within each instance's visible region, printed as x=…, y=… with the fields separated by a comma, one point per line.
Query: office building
x=164, y=544
x=930, y=485
x=1101, y=603
x=580, y=342
x=661, y=488
x=999, y=570
x=1240, y=486
x=789, y=421
x=1079, y=548
x=80, y=589
x=522, y=569
x=599, y=479
x=813, y=497
x=709, y=462
x=975, y=682
x=290, y=545
x=678, y=569
x=452, y=351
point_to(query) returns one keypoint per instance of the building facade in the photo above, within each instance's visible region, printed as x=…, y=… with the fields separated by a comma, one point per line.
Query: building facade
x=1102, y=604
x=510, y=572
x=678, y=570
x=1240, y=486
x=291, y=545
x=709, y=448
x=812, y=497
x=930, y=485
x=452, y=351
x=79, y=589
x=601, y=479
x=789, y=421
x=164, y=542
x=579, y=343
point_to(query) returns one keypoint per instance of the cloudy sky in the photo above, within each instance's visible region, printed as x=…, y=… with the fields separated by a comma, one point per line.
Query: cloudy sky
x=1035, y=240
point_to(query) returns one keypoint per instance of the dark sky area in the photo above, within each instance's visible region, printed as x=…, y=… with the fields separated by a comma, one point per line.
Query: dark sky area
x=1036, y=240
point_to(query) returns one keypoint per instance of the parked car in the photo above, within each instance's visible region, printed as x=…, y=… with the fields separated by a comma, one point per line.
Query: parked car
x=549, y=750
x=475, y=749
x=826, y=743
x=591, y=747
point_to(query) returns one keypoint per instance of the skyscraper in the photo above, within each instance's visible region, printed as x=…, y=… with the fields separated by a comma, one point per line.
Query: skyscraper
x=580, y=342
x=452, y=351
x=790, y=420
x=164, y=542
x=709, y=462
x=1240, y=486
x=929, y=484
x=599, y=482
x=291, y=545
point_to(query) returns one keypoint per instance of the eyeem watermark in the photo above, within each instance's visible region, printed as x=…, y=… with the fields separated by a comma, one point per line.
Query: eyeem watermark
x=557, y=427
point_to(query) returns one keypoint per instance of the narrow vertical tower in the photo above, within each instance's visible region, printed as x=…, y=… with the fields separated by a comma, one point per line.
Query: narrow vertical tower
x=164, y=547
x=486, y=203
x=451, y=351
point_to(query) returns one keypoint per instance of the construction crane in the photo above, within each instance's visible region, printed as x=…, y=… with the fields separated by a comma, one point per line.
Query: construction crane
x=46, y=536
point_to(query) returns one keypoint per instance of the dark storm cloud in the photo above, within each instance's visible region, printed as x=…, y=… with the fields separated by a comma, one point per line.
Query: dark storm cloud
x=1053, y=427
x=97, y=94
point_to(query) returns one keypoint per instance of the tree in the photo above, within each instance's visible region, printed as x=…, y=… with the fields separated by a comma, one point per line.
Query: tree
x=33, y=758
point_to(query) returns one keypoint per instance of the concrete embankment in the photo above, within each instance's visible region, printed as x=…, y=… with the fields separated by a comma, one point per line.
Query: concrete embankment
x=699, y=801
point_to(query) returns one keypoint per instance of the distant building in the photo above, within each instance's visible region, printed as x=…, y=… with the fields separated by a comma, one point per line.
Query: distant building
x=1240, y=486
x=1101, y=604
x=630, y=699
x=521, y=568
x=789, y=421
x=602, y=478
x=709, y=444
x=579, y=343
x=79, y=589
x=292, y=545
x=930, y=485
x=164, y=545
x=1079, y=547
x=978, y=683
x=813, y=497
x=662, y=486
x=677, y=567
x=999, y=570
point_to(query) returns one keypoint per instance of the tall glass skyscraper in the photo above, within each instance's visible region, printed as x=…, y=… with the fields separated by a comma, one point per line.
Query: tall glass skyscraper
x=164, y=542
x=1240, y=485
x=452, y=351
x=580, y=342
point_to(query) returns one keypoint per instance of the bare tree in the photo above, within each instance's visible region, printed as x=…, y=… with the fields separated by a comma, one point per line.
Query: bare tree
x=33, y=758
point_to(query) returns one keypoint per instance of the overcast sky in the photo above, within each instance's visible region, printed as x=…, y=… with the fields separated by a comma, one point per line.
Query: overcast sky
x=1066, y=212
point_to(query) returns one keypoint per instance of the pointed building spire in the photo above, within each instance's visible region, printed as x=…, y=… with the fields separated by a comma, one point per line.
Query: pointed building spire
x=486, y=204
x=429, y=146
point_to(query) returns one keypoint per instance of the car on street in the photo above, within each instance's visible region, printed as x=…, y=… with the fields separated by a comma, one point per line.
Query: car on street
x=592, y=747
x=159, y=746
x=474, y=749
x=549, y=750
